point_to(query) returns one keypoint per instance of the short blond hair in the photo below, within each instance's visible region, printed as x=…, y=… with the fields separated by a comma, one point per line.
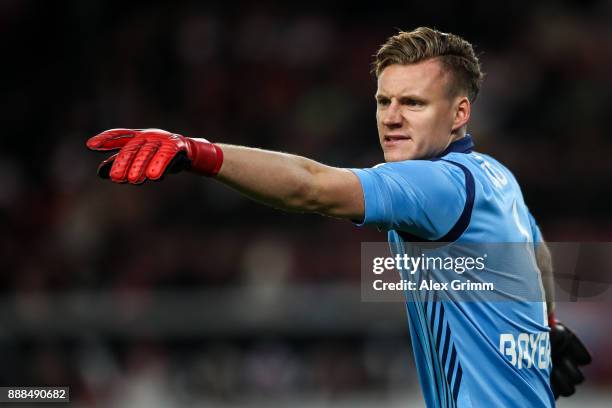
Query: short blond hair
x=456, y=55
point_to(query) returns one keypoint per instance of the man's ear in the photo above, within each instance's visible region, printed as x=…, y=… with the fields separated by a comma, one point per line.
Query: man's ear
x=463, y=109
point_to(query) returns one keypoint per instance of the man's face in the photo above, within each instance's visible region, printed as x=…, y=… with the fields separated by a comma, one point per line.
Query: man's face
x=414, y=111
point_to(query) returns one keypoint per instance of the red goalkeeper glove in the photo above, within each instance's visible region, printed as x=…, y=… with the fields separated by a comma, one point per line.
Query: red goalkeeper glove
x=567, y=352
x=152, y=153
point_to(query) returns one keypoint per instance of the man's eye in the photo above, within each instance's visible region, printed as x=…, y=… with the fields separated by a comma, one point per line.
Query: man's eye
x=412, y=102
x=383, y=102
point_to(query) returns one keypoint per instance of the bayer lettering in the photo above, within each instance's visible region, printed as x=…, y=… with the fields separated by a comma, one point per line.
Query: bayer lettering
x=526, y=350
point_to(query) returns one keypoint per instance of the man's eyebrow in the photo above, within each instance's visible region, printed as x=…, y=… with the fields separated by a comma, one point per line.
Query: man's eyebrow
x=400, y=97
x=411, y=97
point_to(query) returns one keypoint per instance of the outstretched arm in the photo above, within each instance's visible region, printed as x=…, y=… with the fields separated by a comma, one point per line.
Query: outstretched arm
x=292, y=182
x=277, y=179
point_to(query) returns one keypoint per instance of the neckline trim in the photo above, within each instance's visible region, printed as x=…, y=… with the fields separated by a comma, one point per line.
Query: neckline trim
x=463, y=145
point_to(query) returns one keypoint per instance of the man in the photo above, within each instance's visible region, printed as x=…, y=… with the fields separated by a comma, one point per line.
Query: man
x=433, y=187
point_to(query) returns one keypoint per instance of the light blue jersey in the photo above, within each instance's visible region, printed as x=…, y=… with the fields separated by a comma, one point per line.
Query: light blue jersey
x=468, y=353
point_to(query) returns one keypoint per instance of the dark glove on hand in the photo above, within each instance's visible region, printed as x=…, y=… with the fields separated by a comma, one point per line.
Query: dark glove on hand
x=567, y=353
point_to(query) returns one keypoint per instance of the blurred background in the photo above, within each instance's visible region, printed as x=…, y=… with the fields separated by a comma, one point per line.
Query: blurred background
x=182, y=293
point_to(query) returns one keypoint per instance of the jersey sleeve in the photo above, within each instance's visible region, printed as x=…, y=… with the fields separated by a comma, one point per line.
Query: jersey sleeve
x=423, y=198
x=535, y=230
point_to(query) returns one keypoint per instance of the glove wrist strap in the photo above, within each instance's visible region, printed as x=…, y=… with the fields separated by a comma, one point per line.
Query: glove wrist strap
x=551, y=320
x=206, y=158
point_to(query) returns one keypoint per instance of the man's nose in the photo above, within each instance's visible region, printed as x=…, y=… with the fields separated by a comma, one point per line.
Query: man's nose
x=393, y=117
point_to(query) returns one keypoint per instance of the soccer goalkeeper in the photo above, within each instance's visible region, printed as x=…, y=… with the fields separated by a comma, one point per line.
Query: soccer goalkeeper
x=433, y=187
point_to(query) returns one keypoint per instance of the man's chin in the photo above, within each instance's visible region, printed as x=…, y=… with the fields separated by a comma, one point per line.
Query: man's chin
x=395, y=156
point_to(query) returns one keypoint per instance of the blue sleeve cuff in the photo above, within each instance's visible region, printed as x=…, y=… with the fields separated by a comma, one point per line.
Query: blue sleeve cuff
x=371, y=198
x=535, y=230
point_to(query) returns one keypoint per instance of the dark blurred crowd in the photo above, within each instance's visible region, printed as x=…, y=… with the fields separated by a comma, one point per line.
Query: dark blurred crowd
x=265, y=75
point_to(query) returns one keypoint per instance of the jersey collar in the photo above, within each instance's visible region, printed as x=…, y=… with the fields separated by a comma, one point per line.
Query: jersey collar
x=463, y=145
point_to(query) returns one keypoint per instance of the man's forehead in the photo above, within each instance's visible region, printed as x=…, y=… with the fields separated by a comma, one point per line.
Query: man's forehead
x=421, y=77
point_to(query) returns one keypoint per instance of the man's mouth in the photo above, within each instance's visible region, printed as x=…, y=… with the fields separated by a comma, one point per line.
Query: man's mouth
x=392, y=140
